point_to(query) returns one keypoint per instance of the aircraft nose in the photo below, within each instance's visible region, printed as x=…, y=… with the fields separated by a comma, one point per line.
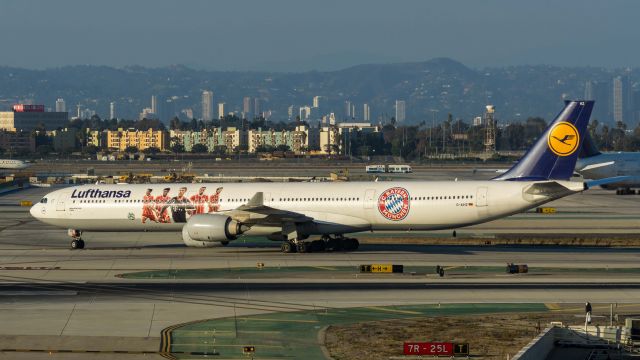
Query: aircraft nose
x=35, y=210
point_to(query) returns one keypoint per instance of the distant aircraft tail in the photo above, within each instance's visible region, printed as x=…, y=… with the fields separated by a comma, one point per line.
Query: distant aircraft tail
x=554, y=155
x=589, y=147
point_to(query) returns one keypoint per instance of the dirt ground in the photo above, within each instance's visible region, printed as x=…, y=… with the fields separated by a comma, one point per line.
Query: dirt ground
x=489, y=336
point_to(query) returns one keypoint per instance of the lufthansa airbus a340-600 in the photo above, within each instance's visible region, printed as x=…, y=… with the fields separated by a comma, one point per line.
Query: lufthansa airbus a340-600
x=210, y=214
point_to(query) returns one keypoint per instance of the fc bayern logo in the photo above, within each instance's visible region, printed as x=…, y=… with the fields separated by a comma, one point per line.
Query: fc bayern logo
x=393, y=203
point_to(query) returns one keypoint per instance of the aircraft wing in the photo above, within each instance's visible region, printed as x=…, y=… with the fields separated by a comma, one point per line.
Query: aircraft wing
x=609, y=180
x=597, y=165
x=256, y=213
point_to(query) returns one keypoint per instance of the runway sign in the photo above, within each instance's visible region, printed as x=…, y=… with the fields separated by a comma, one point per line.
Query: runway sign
x=428, y=348
x=436, y=349
x=381, y=268
x=546, y=210
x=460, y=349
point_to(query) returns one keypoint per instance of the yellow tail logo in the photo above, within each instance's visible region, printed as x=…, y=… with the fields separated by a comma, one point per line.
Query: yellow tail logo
x=563, y=139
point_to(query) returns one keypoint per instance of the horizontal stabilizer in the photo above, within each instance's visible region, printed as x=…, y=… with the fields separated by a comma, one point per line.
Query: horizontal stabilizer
x=551, y=189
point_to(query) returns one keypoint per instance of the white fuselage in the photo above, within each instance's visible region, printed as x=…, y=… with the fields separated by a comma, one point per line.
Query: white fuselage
x=340, y=207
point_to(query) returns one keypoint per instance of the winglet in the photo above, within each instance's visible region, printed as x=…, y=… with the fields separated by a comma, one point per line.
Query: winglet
x=256, y=200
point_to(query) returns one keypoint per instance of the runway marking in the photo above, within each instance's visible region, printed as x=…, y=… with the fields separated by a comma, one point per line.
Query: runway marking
x=324, y=267
x=228, y=346
x=279, y=320
x=395, y=310
x=452, y=267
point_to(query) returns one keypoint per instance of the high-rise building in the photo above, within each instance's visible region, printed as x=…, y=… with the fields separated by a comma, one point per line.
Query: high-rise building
x=258, y=106
x=154, y=104
x=112, y=110
x=366, y=112
x=589, y=91
x=318, y=101
x=207, y=105
x=61, y=106
x=290, y=112
x=618, y=110
x=305, y=112
x=401, y=111
x=221, y=113
x=246, y=106
x=347, y=110
x=599, y=92
x=79, y=111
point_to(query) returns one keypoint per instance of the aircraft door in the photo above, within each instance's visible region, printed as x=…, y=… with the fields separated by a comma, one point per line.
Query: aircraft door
x=61, y=201
x=266, y=198
x=368, y=198
x=481, y=197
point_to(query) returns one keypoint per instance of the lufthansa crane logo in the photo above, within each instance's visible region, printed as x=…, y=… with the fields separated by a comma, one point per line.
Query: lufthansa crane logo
x=563, y=139
x=393, y=203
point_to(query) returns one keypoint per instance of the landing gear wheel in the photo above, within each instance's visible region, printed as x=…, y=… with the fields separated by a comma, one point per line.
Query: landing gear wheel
x=303, y=247
x=224, y=243
x=287, y=247
x=318, y=245
x=353, y=244
x=77, y=244
x=350, y=244
x=333, y=245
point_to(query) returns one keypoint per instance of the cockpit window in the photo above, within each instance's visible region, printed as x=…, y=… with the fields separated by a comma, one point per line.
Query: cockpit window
x=43, y=201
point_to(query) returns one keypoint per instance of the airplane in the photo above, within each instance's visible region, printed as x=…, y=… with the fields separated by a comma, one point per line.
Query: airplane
x=213, y=214
x=593, y=164
x=12, y=164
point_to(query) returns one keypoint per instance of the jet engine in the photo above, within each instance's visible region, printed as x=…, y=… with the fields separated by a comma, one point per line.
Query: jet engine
x=208, y=230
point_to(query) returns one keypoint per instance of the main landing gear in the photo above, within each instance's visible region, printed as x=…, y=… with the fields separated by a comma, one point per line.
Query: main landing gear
x=326, y=243
x=76, y=242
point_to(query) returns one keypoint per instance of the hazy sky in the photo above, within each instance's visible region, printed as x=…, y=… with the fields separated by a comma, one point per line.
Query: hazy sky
x=297, y=35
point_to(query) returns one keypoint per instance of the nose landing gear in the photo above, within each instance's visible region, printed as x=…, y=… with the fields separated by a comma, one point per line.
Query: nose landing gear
x=76, y=242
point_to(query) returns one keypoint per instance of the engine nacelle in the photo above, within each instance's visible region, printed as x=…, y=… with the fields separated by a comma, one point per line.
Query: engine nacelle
x=200, y=244
x=210, y=228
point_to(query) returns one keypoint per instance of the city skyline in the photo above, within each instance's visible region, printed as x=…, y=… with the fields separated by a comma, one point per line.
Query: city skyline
x=442, y=84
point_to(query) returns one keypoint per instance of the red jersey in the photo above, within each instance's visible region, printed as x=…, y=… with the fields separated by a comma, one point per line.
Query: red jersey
x=164, y=213
x=199, y=201
x=148, y=208
x=213, y=202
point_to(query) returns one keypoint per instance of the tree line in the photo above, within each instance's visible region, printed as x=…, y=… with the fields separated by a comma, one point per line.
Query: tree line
x=413, y=142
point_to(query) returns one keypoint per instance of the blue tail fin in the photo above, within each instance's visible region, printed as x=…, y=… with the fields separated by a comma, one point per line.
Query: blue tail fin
x=554, y=155
x=588, y=148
